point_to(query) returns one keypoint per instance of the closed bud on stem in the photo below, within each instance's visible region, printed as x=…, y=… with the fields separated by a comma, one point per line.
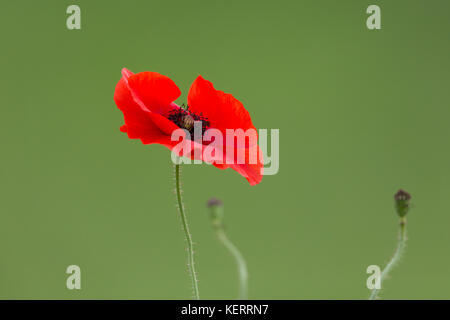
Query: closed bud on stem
x=216, y=212
x=402, y=199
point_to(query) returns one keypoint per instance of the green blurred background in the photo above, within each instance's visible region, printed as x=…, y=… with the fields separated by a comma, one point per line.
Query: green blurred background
x=361, y=113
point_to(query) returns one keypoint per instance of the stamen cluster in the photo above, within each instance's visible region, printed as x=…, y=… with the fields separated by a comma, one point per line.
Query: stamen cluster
x=185, y=119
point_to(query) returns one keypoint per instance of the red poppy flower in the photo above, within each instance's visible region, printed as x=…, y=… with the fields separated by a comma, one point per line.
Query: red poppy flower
x=151, y=115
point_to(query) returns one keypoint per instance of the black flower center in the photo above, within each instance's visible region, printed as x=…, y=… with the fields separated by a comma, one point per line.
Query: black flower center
x=185, y=119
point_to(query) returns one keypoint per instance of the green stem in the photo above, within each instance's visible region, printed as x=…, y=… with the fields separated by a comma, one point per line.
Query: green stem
x=395, y=258
x=240, y=261
x=190, y=245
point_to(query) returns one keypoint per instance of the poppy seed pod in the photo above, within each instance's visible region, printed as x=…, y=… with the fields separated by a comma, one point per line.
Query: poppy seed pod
x=216, y=211
x=402, y=199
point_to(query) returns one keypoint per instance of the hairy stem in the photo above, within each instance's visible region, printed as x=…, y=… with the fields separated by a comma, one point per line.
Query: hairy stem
x=395, y=258
x=240, y=261
x=187, y=233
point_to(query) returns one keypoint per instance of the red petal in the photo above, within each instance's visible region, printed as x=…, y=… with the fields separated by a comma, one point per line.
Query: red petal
x=138, y=123
x=153, y=91
x=252, y=172
x=164, y=124
x=222, y=109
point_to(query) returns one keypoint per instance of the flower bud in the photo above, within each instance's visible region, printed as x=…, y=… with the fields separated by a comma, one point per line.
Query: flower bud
x=216, y=211
x=402, y=202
